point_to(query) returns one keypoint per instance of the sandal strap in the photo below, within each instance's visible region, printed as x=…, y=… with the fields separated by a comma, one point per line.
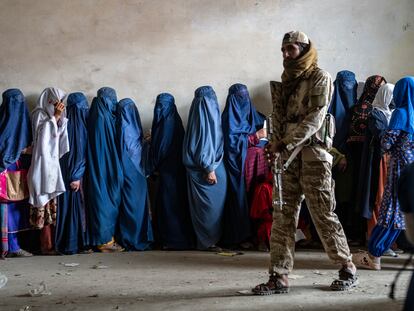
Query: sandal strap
x=274, y=283
x=346, y=274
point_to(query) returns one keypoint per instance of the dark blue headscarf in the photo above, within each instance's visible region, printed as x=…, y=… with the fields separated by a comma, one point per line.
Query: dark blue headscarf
x=70, y=235
x=15, y=128
x=167, y=131
x=203, y=142
x=134, y=227
x=343, y=99
x=403, y=116
x=130, y=132
x=104, y=171
x=110, y=94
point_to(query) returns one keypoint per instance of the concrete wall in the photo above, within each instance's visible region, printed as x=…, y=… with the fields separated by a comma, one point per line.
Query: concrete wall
x=144, y=47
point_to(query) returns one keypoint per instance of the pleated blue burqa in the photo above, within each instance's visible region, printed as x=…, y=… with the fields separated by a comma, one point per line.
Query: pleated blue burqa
x=13, y=138
x=239, y=120
x=343, y=99
x=165, y=158
x=104, y=175
x=203, y=153
x=71, y=220
x=135, y=230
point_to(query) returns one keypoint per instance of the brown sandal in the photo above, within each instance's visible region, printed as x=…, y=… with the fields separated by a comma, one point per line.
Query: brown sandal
x=277, y=284
x=111, y=247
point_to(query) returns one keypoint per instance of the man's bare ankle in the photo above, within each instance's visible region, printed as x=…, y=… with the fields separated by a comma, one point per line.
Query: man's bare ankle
x=283, y=278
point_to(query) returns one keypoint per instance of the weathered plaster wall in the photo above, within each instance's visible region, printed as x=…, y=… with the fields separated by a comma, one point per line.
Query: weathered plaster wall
x=142, y=48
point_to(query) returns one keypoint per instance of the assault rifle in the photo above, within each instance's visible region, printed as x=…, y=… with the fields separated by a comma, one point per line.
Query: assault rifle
x=278, y=166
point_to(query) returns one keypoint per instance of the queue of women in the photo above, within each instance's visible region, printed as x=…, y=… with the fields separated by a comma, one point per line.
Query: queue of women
x=83, y=179
x=78, y=175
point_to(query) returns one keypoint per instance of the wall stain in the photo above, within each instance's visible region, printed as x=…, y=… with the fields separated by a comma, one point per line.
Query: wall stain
x=406, y=26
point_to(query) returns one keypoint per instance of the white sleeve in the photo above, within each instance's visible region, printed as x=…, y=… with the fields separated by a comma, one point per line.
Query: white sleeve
x=45, y=129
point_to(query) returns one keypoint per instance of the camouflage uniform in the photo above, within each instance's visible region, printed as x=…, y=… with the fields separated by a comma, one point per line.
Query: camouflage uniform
x=309, y=175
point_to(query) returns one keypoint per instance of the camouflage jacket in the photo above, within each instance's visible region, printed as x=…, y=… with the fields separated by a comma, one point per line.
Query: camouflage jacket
x=300, y=116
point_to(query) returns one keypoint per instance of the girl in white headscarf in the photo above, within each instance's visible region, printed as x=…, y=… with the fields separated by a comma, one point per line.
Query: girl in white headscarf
x=50, y=143
x=384, y=102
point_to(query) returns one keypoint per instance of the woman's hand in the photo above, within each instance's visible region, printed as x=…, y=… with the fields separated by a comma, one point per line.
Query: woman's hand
x=342, y=164
x=27, y=150
x=147, y=137
x=211, y=178
x=75, y=185
x=262, y=133
x=59, y=107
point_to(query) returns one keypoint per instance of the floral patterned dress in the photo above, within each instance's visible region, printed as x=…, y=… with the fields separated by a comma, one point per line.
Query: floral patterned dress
x=400, y=146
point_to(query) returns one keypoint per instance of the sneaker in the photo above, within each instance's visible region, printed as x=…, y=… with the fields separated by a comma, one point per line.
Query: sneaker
x=19, y=254
x=364, y=261
x=390, y=253
x=398, y=251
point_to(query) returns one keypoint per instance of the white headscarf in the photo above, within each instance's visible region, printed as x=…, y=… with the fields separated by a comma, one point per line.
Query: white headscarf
x=50, y=96
x=383, y=100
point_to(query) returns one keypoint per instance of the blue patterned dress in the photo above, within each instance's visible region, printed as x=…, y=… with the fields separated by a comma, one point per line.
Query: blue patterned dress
x=400, y=146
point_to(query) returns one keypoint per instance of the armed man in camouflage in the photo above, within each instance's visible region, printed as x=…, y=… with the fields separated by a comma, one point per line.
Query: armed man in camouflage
x=300, y=105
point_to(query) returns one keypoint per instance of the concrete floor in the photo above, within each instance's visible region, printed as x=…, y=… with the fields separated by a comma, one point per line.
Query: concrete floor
x=160, y=280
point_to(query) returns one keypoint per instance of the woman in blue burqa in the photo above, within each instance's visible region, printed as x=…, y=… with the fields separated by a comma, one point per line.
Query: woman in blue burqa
x=134, y=228
x=241, y=128
x=104, y=176
x=203, y=159
x=15, y=141
x=165, y=160
x=70, y=220
x=343, y=100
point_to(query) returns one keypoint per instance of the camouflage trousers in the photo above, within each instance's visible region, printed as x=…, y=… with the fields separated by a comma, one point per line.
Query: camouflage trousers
x=312, y=181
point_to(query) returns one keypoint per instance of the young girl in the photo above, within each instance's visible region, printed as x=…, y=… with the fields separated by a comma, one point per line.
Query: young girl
x=50, y=143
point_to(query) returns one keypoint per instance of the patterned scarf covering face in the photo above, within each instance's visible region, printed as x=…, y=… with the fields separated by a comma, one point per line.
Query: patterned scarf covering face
x=371, y=88
x=383, y=99
x=298, y=69
x=363, y=108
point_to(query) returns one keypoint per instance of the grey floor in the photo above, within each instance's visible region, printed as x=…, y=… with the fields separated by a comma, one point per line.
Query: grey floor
x=192, y=280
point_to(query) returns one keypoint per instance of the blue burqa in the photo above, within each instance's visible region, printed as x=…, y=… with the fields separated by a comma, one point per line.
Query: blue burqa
x=343, y=99
x=70, y=223
x=104, y=175
x=403, y=116
x=134, y=231
x=239, y=120
x=171, y=205
x=203, y=153
x=15, y=128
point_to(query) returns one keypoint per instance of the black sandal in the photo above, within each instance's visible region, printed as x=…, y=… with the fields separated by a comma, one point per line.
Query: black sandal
x=347, y=280
x=273, y=286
